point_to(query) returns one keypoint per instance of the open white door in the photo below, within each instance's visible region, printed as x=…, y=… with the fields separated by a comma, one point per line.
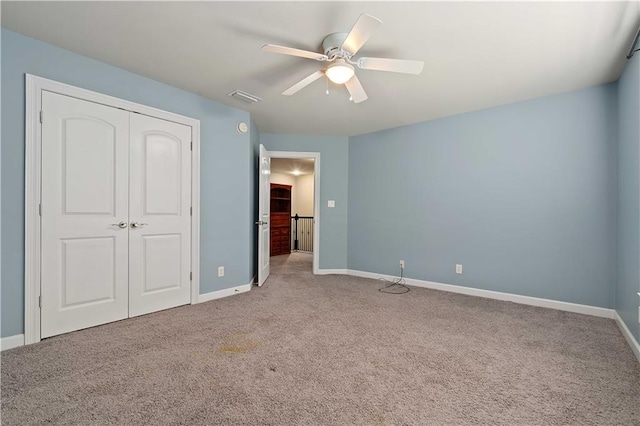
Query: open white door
x=263, y=216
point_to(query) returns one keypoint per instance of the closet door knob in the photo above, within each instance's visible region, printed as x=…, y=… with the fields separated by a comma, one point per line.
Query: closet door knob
x=122, y=224
x=137, y=225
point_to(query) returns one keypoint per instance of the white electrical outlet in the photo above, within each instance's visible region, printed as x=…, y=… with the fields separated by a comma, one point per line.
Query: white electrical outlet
x=402, y=264
x=221, y=271
x=458, y=268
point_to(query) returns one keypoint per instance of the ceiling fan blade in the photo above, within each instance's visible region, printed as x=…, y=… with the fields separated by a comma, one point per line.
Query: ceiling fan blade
x=393, y=65
x=360, y=33
x=303, y=83
x=356, y=90
x=272, y=48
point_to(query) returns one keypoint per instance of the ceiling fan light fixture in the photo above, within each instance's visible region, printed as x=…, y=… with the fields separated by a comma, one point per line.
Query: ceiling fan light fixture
x=340, y=72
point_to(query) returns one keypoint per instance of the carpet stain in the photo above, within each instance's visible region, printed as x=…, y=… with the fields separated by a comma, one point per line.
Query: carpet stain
x=379, y=419
x=237, y=343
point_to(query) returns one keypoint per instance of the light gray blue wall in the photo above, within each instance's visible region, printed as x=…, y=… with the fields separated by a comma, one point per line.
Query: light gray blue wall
x=522, y=195
x=628, y=282
x=334, y=154
x=225, y=163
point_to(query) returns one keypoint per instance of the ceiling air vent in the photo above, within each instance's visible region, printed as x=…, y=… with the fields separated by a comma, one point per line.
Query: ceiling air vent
x=244, y=97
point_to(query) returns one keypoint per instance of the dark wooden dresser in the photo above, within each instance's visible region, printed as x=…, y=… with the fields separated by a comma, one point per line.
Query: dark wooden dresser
x=280, y=219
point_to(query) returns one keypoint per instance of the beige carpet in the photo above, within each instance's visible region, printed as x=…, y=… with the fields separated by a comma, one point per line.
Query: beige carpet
x=307, y=350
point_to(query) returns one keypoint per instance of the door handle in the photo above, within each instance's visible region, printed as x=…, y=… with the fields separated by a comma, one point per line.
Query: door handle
x=122, y=224
x=137, y=225
x=261, y=222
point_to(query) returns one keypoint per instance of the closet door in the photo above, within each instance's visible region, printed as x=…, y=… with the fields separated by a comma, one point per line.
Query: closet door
x=84, y=239
x=160, y=218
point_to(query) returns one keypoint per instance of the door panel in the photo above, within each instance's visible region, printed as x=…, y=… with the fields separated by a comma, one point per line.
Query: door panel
x=93, y=159
x=87, y=260
x=161, y=161
x=84, y=194
x=162, y=255
x=160, y=200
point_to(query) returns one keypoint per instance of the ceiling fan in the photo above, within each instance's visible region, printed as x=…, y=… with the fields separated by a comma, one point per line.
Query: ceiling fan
x=339, y=49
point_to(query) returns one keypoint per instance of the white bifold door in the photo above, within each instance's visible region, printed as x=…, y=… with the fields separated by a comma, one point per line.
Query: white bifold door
x=115, y=207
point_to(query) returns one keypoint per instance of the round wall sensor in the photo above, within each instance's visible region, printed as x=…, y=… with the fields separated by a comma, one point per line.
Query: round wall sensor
x=242, y=127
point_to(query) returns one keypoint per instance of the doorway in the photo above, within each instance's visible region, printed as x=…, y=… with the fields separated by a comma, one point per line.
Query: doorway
x=292, y=197
x=291, y=203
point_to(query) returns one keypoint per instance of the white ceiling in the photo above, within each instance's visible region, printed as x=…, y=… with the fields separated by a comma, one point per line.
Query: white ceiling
x=476, y=54
x=292, y=166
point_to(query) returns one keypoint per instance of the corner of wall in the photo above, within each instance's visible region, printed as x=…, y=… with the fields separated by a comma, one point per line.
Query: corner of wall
x=627, y=283
x=254, y=148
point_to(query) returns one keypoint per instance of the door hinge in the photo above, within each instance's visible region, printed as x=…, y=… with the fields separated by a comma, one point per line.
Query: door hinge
x=190, y=276
x=192, y=146
x=41, y=117
x=40, y=302
x=40, y=210
x=191, y=211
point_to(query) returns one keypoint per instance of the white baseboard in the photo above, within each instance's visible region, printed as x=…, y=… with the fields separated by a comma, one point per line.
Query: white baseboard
x=635, y=347
x=11, y=342
x=18, y=340
x=332, y=272
x=509, y=297
x=219, y=294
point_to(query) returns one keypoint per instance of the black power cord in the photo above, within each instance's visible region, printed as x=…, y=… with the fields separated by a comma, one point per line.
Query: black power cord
x=396, y=286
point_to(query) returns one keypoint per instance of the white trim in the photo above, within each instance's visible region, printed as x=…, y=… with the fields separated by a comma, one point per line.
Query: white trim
x=332, y=272
x=219, y=294
x=11, y=342
x=195, y=216
x=635, y=347
x=32, y=220
x=509, y=297
x=316, y=198
x=34, y=87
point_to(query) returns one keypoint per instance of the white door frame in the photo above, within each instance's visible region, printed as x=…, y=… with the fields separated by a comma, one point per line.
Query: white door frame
x=33, y=139
x=316, y=197
x=264, y=216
